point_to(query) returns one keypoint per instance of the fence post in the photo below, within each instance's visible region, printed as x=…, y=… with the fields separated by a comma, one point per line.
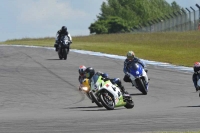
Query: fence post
x=199, y=16
x=176, y=22
x=172, y=19
x=180, y=20
x=190, y=23
x=194, y=18
x=185, y=19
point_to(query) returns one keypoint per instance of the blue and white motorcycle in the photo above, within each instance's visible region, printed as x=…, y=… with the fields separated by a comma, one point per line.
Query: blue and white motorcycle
x=139, y=78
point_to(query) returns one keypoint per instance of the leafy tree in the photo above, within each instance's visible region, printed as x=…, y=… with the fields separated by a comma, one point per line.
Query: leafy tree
x=117, y=24
x=120, y=15
x=98, y=27
x=109, y=25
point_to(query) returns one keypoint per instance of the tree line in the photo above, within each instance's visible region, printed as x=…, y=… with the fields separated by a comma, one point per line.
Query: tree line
x=119, y=16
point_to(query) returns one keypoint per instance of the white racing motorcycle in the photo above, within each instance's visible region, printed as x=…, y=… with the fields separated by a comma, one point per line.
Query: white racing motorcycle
x=109, y=94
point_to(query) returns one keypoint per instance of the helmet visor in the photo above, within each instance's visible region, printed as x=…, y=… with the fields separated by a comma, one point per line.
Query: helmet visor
x=130, y=57
x=87, y=75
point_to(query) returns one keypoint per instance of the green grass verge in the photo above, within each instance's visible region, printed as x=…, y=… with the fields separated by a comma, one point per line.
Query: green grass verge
x=179, y=48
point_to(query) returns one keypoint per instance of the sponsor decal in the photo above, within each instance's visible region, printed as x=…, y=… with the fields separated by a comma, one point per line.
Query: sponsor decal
x=137, y=72
x=107, y=85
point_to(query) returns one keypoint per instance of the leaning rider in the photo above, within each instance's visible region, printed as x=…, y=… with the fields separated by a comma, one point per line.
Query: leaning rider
x=89, y=72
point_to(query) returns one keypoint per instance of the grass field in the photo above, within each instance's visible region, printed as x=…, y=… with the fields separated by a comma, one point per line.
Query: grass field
x=178, y=48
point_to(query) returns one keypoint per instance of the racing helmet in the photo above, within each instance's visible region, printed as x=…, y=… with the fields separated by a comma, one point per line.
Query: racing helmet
x=81, y=70
x=89, y=72
x=130, y=55
x=64, y=28
x=196, y=66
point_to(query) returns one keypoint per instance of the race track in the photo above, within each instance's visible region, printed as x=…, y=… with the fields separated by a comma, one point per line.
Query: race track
x=39, y=94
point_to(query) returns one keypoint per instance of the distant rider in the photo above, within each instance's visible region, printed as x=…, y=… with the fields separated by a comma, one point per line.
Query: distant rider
x=62, y=31
x=128, y=62
x=89, y=72
x=196, y=68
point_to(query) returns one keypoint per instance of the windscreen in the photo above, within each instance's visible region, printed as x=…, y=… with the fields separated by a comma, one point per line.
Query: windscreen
x=94, y=81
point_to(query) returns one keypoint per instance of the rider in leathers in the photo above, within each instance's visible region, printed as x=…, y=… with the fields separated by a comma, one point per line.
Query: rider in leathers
x=89, y=72
x=62, y=31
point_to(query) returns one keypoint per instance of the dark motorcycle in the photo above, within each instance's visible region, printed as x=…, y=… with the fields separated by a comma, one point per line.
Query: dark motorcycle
x=63, y=47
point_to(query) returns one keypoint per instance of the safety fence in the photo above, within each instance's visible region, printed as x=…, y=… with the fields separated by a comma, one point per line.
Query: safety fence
x=183, y=20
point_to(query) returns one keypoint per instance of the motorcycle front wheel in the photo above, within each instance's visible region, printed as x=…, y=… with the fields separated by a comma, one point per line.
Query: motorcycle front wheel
x=59, y=54
x=107, y=101
x=141, y=86
x=65, y=52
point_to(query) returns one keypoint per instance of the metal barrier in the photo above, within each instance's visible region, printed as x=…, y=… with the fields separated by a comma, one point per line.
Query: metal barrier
x=183, y=20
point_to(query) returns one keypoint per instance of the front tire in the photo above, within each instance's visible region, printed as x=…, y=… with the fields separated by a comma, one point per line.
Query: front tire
x=141, y=86
x=65, y=52
x=60, y=53
x=94, y=98
x=107, y=101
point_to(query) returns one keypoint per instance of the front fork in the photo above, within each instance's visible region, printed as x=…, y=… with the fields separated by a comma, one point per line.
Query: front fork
x=144, y=74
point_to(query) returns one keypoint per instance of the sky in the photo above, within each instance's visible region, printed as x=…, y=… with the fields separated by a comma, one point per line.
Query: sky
x=43, y=18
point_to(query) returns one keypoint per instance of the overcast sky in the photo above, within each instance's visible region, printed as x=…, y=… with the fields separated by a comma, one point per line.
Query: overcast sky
x=42, y=18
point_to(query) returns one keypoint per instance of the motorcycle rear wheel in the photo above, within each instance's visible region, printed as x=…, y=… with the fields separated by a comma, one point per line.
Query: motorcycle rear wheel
x=129, y=104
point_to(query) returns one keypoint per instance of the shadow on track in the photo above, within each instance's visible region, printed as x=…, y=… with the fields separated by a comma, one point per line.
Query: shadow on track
x=94, y=107
x=136, y=94
x=190, y=106
x=53, y=59
x=83, y=107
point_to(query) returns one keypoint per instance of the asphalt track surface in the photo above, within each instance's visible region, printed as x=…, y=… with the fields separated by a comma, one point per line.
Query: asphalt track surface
x=39, y=94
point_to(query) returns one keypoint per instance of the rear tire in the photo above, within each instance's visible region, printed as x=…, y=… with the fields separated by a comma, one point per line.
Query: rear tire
x=129, y=103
